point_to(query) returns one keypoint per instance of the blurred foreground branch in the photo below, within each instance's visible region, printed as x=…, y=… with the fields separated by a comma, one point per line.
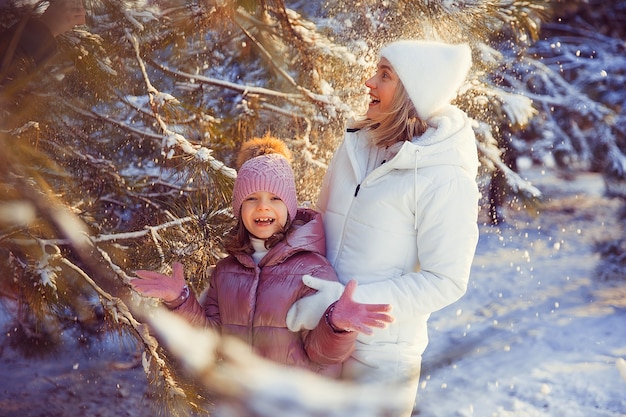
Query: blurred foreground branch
x=244, y=384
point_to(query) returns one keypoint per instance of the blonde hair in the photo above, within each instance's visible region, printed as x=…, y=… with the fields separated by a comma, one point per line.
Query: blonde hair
x=401, y=123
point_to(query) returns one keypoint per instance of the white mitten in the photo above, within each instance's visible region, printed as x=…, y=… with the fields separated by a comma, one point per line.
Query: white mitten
x=307, y=311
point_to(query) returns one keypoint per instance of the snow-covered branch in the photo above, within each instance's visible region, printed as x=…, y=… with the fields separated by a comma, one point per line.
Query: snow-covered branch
x=114, y=237
x=243, y=89
x=492, y=154
x=173, y=139
x=120, y=313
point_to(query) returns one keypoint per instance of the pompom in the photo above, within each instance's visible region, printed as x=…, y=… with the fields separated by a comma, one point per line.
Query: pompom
x=262, y=146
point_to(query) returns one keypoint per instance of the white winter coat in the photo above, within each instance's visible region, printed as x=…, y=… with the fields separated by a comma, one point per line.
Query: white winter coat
x=407, y=232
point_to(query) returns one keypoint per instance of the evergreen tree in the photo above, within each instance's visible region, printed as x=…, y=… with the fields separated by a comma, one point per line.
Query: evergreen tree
x=118, y=154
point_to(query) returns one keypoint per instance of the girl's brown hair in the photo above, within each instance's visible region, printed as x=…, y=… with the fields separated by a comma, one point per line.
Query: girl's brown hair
x=401, y=123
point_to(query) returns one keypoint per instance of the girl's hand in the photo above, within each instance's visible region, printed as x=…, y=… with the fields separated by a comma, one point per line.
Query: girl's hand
x=157, y=285
x=349, y=315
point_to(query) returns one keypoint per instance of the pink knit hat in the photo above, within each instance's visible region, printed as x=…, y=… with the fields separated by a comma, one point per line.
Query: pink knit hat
x=270, y=172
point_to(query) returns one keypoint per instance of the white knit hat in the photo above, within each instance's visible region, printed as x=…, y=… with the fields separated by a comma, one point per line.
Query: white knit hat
x=431, y=72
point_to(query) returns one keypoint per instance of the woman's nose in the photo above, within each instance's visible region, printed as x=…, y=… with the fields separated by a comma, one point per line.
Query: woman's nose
x=370, y=83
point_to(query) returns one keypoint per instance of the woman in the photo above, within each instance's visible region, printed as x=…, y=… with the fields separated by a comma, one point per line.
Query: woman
x=400, y=208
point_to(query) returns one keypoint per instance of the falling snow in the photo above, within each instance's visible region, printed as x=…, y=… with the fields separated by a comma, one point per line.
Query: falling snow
x=536, y=335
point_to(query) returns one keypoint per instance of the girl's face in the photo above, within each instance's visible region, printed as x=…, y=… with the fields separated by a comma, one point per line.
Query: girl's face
x=263, y=214
x=382, y=88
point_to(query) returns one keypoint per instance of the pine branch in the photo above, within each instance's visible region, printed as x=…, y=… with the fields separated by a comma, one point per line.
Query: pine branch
x=242, y=89
x=172, y=139
x=138, y=234
x=515, y=181
x=73, y=232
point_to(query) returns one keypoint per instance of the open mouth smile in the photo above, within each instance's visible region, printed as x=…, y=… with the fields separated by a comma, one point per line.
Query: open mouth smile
x=264, y=221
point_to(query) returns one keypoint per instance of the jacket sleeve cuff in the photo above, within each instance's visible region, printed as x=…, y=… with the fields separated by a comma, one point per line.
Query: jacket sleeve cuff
x=328, y=318
x=180, y=300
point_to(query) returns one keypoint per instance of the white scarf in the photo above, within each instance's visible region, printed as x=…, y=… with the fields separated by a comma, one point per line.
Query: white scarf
x=259, y=249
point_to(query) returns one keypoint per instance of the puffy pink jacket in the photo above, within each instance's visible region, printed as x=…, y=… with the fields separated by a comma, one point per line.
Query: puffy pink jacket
x=251, y=302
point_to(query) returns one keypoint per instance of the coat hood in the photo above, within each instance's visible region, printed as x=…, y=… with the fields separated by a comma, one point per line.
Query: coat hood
x=449, y=140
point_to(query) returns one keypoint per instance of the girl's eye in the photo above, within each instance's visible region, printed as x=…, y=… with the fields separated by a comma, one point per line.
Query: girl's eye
x=277, y=198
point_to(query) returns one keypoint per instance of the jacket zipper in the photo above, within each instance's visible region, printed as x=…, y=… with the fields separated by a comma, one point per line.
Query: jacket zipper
x=343, y=232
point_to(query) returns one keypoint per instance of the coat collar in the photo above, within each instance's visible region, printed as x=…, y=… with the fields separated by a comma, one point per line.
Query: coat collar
x=307, y=236
x=449, y=140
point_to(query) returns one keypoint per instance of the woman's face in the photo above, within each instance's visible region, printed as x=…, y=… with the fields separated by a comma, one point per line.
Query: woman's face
x=382, y=88
x=263, y=214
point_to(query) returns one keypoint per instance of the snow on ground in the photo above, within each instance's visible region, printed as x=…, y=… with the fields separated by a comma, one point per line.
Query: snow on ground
x=536, y=335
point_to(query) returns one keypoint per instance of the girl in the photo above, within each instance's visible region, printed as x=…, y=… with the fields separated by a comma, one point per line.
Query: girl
x=273, y=245
x=400, y=207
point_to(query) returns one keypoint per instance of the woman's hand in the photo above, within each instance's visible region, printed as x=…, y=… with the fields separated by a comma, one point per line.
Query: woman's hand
x=349, y=315
x=157, y=285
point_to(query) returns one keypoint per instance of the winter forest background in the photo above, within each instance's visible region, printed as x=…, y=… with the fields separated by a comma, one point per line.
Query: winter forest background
x=119, y=155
